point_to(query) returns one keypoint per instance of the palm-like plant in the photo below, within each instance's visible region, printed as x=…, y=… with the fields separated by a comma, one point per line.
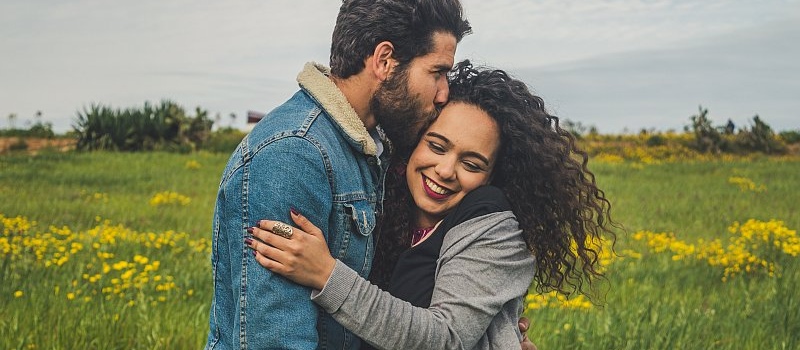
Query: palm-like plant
x=162, y=127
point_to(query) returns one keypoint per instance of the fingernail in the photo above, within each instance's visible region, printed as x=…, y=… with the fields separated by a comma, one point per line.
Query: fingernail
x=294, y=211
x=250, y=230
x=248, y=241
x=255, y=253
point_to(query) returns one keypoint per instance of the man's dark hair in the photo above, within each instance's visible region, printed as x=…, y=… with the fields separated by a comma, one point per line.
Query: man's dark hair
x=408, y=24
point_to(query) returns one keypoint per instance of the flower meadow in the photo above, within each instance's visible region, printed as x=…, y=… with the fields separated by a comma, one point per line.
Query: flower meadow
x=707, y=255
x=755, y=247
x=109, y=261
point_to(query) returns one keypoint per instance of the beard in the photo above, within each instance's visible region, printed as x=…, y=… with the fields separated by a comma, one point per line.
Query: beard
x=399, y=113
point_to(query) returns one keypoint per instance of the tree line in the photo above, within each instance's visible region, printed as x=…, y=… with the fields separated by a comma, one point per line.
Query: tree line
x=167, y=126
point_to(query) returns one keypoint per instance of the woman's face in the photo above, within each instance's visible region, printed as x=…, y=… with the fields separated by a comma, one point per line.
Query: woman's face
x=455, y=155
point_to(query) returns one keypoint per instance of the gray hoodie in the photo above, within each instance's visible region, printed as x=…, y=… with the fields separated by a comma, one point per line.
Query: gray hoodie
x=483, y=274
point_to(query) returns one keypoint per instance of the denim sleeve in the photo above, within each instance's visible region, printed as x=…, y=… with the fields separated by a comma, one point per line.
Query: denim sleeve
x=290, y=172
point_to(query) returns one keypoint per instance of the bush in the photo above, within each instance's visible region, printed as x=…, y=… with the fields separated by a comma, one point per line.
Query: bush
x=759, y=138
x=790, y=137
x=43, y=130
x=707, y=138
x=20, y=145
x=577, y=129
x=163, y=127
x=656, y=140
x=223, y=140
x=39, y=129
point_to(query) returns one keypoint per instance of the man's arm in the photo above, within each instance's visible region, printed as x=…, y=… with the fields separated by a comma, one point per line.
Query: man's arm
x=288, y=173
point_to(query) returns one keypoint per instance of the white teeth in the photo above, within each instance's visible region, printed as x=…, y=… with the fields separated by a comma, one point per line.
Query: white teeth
x=434, y=187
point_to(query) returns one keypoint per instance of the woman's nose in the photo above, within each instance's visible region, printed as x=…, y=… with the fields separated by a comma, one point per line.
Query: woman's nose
x=445, y=170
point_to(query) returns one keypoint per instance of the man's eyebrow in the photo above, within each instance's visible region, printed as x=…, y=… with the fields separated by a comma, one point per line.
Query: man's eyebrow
x=443, y=66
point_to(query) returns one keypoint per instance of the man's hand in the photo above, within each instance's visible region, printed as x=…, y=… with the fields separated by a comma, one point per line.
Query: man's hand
x=526, y=344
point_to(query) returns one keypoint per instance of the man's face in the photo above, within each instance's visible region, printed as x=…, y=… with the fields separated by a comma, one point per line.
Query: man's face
x=412, y=94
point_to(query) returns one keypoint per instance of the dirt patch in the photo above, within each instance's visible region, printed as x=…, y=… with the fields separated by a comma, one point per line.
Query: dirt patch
x=793, y=149
x=35, y=145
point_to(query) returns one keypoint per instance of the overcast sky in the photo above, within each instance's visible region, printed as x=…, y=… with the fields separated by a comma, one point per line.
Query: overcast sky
x=618, y=65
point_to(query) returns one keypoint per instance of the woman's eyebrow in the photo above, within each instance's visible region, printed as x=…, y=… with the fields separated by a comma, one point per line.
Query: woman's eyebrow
x=445, y=140
x=438, y=136
x=480, y=157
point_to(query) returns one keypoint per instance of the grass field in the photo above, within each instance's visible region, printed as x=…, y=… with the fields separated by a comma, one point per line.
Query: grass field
x=111, y=251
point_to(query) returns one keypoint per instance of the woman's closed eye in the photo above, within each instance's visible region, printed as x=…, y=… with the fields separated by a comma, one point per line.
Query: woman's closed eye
x=436, y=147
x=472, y=166
x=475, y=162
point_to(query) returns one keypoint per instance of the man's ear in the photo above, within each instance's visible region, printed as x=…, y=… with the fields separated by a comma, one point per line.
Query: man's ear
x=382, y=61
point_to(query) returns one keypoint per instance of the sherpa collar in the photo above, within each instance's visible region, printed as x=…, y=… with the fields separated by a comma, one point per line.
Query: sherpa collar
x=314, y=78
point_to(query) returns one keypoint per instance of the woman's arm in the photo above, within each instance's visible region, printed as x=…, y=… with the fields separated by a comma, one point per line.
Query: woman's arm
x=481, y=268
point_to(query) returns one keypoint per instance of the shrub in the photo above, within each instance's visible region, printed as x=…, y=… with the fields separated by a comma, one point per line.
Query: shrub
x=162, y=127
x=707, y=138
x=656, y=140
x=759, y=138
x=39, y=129
x=223, y=140
x=790, y=137
x=43, y=130
x=20, y=145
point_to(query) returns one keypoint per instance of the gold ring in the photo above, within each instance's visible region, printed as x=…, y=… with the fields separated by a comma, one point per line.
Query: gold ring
x=282, y=230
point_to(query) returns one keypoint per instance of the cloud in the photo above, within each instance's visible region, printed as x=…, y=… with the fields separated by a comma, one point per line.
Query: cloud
x=533, y=33
x=244, y=54
x=735, y=76
x=65, y=55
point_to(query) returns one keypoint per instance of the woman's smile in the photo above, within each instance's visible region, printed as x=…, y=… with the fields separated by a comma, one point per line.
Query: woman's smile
x=455, y=156
x=435, y=190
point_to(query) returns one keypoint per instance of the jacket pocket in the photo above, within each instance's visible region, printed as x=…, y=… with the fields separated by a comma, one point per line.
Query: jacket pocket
x=351, y=240
x=363, y=215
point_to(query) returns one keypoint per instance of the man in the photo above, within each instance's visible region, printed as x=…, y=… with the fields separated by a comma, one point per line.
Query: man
x=322, y=154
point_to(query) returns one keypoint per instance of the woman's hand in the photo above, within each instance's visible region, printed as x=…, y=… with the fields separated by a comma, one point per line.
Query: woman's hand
x=303, y=258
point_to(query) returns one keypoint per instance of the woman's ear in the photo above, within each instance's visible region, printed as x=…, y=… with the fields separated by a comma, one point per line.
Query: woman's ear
x=382, y=61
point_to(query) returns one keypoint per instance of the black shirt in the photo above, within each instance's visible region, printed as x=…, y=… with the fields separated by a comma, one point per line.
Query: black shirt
x=413, y=277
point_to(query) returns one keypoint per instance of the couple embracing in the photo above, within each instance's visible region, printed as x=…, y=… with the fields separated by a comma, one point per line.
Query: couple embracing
x=399, y=200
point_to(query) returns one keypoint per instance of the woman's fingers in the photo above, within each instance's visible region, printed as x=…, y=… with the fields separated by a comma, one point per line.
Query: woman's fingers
x=278, y=228
x=304, y=224
x=300, y=256
x=266, y=249
x=272, y=265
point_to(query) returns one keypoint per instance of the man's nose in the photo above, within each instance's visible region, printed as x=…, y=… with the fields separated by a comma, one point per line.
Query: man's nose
x=442, y=94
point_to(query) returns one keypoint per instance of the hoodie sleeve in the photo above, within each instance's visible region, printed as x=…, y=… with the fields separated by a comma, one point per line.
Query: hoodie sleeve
x=483, y=267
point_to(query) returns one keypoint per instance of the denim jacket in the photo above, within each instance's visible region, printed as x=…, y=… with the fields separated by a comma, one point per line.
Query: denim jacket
x=312, y=153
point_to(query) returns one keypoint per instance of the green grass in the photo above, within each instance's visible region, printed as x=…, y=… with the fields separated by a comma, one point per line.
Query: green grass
x=650, y=302
x=657, y=303
x=696, y=199
x=57, y=188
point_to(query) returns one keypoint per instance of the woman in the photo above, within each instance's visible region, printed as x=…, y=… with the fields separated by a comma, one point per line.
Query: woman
x=456, y=254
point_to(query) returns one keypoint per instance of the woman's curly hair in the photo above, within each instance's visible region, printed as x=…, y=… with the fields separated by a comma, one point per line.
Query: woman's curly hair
x=561, y=211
